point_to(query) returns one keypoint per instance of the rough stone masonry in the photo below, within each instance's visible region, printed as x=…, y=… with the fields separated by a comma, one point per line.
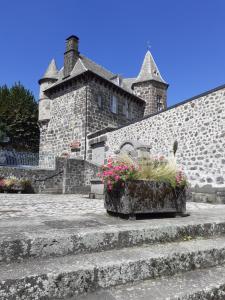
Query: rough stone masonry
x=83, y=98
x=86, y=112
x=199, y=127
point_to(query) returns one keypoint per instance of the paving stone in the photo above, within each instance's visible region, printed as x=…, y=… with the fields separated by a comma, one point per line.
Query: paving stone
x=47, y=225
x=193, y=285
x=69, y=275
x=49, y=236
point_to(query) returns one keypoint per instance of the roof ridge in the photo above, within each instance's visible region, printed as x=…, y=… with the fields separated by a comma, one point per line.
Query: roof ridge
x=90, y=60
x=82, y=64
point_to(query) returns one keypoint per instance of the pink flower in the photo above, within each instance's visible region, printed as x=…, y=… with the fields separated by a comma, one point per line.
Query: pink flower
x=109, y=187
x=2, y=182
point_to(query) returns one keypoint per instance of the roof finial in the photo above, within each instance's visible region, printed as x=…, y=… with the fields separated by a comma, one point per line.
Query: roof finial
x=148, y=45
x=149, y=70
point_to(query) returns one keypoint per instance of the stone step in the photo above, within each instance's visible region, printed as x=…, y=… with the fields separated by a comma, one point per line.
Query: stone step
x=68, y=276
x=193, y=285
x=51, y=191
x=88, y=236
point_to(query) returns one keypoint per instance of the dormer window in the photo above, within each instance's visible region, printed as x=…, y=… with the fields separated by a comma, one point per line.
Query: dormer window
x=117, y=80
x=159, y=103
x=114, y=104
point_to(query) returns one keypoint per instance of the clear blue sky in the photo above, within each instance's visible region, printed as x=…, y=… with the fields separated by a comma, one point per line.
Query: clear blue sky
x=187, y=39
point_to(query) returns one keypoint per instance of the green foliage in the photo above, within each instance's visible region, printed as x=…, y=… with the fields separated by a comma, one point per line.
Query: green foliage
x=13, y=183
x=19, y=117
x=3, y=132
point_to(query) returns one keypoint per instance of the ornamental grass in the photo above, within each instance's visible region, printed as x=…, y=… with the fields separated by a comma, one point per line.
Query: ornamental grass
x=13, y=183
x=158, y=168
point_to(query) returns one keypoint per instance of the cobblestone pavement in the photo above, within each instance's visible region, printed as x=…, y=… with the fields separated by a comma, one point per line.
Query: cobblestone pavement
x=38, y=212
x=39, y=205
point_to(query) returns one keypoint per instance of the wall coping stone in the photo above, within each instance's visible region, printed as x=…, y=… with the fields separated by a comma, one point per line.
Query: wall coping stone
x=221, y=87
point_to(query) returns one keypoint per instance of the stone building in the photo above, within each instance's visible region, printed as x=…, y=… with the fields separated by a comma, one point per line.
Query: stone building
x=87, y=113
x=83, y=99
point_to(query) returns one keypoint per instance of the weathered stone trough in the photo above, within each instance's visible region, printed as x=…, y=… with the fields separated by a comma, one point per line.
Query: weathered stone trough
x=144, y=197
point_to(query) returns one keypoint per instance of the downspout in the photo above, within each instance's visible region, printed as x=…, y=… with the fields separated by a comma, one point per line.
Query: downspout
x=86, y=120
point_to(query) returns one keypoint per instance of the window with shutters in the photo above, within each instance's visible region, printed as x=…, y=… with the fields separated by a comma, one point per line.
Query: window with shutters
x=99, y=101
x=114, y=104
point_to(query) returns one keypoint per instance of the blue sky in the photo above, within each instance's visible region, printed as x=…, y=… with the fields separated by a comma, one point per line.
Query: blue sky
x=187, y=39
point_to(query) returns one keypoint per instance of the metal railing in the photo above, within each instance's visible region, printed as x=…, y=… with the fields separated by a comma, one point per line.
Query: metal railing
x=10, y=157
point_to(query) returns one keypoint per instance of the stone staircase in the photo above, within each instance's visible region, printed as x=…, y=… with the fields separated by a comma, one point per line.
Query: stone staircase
x=184, y=260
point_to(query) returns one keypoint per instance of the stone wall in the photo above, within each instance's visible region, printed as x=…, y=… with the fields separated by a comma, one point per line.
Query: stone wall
x=67, y=123
x=154, y=93
x=197, y=124
x=69, y=176
x=75, y=112
x=77, y=176
x=42, y=180
x=100, y=117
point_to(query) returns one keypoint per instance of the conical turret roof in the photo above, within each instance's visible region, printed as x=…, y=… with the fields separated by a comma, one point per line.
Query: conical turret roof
x=51, y=72
x=149, y=70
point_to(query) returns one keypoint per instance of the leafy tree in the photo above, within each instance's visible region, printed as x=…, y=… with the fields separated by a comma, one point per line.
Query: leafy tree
x=19, y=117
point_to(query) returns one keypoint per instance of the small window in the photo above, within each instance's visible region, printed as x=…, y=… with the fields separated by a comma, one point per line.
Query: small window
x=127, y=109
x=158, y=98
x=99, y=101
x=114, y=104
x=131, y=111
x=159, y=103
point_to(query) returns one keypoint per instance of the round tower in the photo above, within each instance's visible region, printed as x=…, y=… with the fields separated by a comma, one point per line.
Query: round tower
x=50, y=76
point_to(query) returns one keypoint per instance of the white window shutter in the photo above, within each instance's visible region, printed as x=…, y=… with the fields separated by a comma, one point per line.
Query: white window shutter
x=114, y=104
x=99, y=101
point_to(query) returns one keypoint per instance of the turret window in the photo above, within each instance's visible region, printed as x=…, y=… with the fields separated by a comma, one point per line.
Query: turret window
x=159, y=103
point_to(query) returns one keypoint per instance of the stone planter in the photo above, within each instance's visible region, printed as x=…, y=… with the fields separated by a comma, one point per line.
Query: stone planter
x=144, y=197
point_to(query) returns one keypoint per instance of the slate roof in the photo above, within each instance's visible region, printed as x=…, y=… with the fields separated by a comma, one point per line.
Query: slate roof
x=51, y=71
x=149, y=71
x=95, y=68
x=127, y=83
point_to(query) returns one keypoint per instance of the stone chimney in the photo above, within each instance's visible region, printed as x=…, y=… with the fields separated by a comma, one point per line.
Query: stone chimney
x=71, y=54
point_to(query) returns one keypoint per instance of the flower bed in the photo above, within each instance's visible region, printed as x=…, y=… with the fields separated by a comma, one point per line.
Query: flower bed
x=146, y=185
x=14, y=185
